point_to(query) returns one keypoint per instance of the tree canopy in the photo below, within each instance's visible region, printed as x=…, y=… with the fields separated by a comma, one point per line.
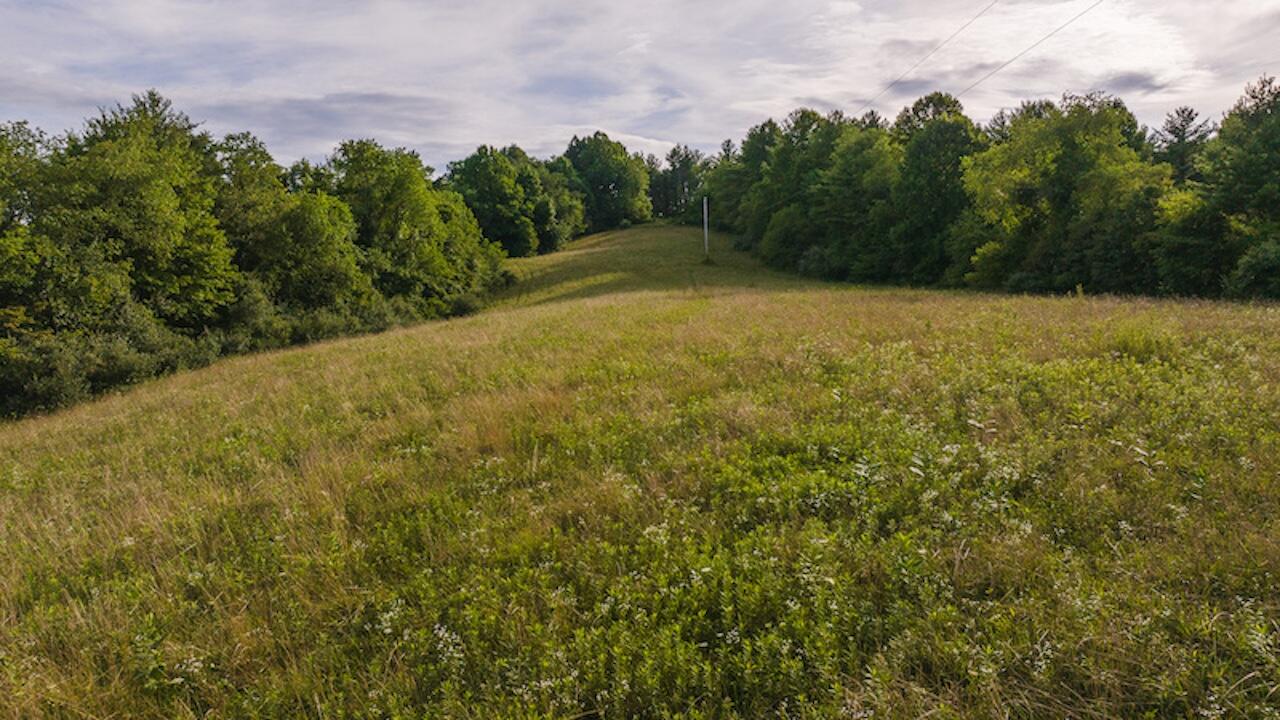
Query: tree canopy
x=1049, y=196
x=527, y=205
x=140, y=244
x=615, y=182
x=675, y=183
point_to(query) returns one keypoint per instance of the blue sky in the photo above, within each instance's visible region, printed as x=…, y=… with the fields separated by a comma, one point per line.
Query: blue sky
x=445, y=77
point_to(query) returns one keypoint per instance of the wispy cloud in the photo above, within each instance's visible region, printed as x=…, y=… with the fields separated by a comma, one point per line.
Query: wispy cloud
x=445, y=77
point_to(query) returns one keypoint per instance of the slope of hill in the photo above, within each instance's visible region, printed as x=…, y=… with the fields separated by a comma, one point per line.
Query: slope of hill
x=642, y=486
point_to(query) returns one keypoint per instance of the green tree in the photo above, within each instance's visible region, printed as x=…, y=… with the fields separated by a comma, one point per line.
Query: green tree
x=872, y=120
x=930, y=196
x=790, y=176
x=1243, y=165
x=503, y=196
x=306, y=176
x=315, y=263
x=22, y=157
x=1242, y=187
x=1258, y=272
x=1000, y=127
x=525, y=204
x=788, y=237
x=1069, y=202
x=19, y=261
x=251, y=199
x=854, y=206
x=140, y=185
x=45, y=284
x=420, y=244
x=914, y=117
x=675, y=184
x=1180, y=141
x=561, y=213
x=616, y=183
x=733, y=175
x=1194, y=250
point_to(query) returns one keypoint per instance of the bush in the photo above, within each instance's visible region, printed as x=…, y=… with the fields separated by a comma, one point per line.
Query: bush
x=468, y=304
x=784, y=240
x=322, y=324
x=41, y=371
x=253, y=322
x=820, y=262
x=1258, y=272
x=1142, y=340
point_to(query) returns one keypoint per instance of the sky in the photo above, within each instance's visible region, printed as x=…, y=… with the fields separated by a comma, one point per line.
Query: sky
x=445, y=77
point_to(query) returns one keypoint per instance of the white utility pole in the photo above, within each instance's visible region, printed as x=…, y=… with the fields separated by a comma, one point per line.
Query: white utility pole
x=706, y=229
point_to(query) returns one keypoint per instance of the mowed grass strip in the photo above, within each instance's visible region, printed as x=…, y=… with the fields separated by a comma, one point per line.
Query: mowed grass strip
x=643, y=486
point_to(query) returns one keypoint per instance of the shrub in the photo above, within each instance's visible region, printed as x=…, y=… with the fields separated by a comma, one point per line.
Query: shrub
x=1258, y=272
x=253, y=322
x=41, y=371
x=468, y=304
x=1140, y=339
x=820, y=262
x=785, y=239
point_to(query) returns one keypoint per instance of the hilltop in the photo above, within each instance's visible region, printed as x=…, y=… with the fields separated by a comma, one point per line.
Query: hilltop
x=638, y=485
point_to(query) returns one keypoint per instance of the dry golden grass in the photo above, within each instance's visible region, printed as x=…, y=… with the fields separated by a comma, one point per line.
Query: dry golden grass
x=1039, y=506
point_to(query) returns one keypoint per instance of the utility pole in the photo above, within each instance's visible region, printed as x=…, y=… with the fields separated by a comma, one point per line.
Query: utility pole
x=706, y=230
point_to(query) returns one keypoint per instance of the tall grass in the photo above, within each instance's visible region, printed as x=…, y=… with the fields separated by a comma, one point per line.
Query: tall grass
x=643, y=486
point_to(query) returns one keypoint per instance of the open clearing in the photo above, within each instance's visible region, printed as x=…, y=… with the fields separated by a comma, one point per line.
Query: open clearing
x=642, y=486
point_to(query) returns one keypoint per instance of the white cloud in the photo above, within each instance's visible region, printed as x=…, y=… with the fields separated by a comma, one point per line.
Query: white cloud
x=445, y=77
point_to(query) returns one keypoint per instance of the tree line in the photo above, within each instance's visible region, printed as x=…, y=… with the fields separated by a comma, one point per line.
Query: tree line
x=141, y=244
x=1064, y=196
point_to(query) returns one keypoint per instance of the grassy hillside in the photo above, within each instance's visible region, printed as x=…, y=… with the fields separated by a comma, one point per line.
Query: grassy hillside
x=644, y=486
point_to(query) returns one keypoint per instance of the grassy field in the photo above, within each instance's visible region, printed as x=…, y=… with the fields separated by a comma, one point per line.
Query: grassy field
x=641, y=486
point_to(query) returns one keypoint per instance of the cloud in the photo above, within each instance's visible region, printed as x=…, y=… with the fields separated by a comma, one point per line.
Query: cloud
x=313, y=126
x=443, y=77
x=1127, y=83
x=572, y=87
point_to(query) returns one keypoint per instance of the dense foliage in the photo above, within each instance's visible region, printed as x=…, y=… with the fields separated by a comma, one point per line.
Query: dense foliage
x=674, y=183
x=616, y=182
x=141, y=244
x=527, y=205
x=1050, y=197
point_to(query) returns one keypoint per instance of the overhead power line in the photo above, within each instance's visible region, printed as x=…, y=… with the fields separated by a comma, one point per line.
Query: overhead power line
x=1033, y=46
x=931, y=53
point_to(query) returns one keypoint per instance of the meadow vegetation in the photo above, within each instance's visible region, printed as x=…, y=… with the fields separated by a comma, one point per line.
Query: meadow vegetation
x=640, y=486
